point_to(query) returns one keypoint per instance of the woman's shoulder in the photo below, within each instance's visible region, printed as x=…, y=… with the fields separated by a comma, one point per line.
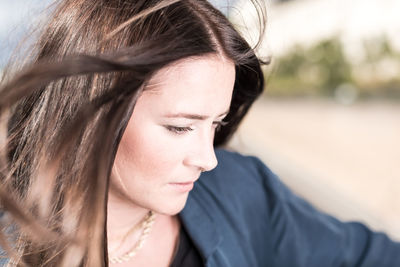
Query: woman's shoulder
x=228, y=208
x=239, y=183
x=238, y=174
x=242, y=189
x=233, y=171
x=232, y=165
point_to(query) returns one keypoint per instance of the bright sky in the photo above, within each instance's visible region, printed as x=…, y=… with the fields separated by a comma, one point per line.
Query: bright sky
x=15, y=18
x=17, y=12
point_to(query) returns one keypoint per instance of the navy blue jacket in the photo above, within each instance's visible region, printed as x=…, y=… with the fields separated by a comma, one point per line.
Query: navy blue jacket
x=240, y=214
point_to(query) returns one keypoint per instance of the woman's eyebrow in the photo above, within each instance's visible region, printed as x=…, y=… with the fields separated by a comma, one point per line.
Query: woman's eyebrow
x=193, y=116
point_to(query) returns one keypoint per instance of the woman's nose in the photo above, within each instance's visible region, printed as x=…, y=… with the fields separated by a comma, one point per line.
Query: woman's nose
x=202, y=154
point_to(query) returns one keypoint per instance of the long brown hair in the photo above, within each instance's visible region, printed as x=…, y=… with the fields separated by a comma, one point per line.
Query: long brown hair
x=61, y=119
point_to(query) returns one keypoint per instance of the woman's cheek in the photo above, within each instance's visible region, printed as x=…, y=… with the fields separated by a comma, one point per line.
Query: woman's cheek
x=156, y=150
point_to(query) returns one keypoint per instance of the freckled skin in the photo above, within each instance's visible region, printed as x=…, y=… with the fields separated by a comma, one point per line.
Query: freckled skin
x=151, y=156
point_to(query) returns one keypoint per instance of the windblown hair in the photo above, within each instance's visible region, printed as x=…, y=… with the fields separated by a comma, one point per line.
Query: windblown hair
x=62, y=118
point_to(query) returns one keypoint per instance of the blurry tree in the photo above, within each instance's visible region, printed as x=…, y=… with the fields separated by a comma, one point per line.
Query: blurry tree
x=323, y=69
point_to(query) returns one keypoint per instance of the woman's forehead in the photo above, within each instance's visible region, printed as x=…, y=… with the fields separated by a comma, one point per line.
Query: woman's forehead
x=202, y=84
x=192, y=69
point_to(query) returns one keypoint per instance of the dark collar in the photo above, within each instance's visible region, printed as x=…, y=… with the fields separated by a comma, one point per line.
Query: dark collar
x=200, y=227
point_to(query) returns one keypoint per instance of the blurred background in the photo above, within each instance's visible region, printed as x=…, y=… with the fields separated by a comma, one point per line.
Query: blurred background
x=329, y=121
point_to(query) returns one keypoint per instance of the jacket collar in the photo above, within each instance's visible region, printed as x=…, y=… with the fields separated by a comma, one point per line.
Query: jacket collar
x=200, y=227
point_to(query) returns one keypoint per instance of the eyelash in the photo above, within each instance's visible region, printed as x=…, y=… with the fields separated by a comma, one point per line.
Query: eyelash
x=182, y=130
x=178, y=130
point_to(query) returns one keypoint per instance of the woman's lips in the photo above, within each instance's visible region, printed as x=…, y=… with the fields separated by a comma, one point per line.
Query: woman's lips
x=183, y=187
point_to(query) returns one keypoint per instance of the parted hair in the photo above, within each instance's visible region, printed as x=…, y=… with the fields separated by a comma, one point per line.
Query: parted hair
x=63, y=115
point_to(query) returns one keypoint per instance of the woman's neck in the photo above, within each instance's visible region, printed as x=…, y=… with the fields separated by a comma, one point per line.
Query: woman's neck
x=122, y=216
x=162, y=240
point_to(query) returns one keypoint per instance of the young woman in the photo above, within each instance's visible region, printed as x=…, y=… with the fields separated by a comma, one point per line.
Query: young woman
x=108, y=150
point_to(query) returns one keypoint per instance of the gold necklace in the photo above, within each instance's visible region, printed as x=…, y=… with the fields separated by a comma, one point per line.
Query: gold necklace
x=146, y=225
x=123, y=238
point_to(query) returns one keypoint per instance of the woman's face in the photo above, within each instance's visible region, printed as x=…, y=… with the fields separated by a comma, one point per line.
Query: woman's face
x=168, y=141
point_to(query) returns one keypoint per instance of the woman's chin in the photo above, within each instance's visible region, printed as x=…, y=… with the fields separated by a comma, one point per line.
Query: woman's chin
x=171, y=207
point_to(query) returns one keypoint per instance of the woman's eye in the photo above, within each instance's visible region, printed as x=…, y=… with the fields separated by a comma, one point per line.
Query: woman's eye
x=178, y=130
